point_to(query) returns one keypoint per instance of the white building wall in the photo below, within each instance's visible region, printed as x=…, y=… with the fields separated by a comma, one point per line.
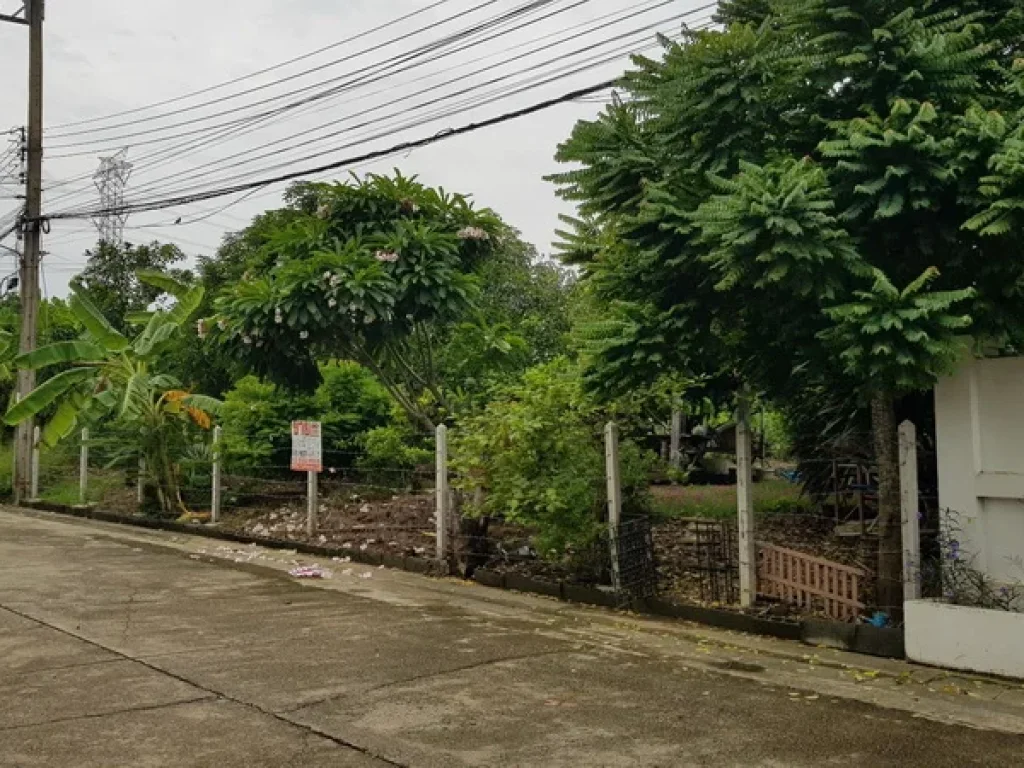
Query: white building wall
x=980, y=441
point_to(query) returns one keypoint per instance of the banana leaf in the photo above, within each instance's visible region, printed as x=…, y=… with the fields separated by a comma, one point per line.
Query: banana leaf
x=163, y=281
x=204, y=403
x=61, y=352
x=46, y=394
x=96, y=324
x=66, y=417
x=187, y=305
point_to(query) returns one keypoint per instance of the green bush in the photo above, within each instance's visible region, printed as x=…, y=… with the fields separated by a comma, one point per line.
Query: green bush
x=391, y=457
x=257, y=418
x=537, y=453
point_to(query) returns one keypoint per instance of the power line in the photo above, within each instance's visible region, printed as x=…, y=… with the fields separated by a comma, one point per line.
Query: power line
x=229, y=128
x=414, y=144
x=174, y=153
x=467, y=105
x=202, y=194
x=306, y=140
x=416, y=53
x=226, y=83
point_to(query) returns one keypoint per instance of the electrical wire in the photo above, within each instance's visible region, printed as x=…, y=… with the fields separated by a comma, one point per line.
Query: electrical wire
x=241, y=78
x=293, y=175
x=163, y=183
x=251, y=187
x=306, y=140
x=367, y=74
x=468, y=105
x=421, y=52
x=405, y=146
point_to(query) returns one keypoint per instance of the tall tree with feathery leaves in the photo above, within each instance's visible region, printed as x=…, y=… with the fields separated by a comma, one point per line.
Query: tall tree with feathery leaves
x=804, y=187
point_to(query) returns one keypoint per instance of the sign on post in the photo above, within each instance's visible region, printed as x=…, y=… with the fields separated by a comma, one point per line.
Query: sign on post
x=307, y=456
x=307, y=451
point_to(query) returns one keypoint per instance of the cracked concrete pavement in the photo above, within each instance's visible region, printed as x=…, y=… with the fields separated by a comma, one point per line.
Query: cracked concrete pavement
x=123, y=647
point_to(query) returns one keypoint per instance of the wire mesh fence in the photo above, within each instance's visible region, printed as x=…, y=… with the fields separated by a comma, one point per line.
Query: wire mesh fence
x=824, y=510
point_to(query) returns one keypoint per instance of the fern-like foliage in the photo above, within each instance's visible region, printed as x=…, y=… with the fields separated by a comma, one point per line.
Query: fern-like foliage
x=899, y=340
x=772, y=230
x=807, y=153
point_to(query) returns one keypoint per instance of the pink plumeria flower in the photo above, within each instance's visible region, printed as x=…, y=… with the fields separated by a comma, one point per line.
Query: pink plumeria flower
x=473, y=233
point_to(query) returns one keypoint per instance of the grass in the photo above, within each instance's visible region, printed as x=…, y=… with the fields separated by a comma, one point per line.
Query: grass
x=719, y=501
x=58, y=475
x=66, y=491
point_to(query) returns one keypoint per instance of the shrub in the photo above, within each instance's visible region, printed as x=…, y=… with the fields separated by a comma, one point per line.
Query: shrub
x=257, y=417
x=536, y=451
x=390, y=457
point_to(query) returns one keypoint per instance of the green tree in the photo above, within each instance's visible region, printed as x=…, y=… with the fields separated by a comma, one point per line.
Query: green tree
x=775, y=193
x=536, y=454
x=257, y=416
x=521, y=318
x=376, y=271
x=110, y=278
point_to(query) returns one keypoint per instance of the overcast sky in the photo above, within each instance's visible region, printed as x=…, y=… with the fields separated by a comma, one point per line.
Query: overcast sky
x=107, y=56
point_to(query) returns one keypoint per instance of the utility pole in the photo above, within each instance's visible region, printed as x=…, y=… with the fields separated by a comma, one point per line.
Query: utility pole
x=32, y=15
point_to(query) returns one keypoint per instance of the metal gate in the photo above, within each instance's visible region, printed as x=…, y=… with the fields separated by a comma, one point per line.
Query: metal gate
x=637, y=577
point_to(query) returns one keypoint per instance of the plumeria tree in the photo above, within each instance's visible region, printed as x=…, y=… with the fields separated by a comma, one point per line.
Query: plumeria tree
x=379, y=270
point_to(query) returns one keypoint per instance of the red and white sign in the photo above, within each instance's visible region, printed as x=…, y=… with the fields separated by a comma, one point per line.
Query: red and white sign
x=307, y=450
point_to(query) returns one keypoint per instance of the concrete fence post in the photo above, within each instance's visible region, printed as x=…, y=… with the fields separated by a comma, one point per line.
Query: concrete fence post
x=675, y=455
x=35, y=464
x=312, y=502
x=442, y=510
x=910, y=512
x=215, y=489
x=745, y=506
x=614, y=481
x=83, y=469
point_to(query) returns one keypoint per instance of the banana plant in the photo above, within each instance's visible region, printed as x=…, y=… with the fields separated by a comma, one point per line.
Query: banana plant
x=114, y=378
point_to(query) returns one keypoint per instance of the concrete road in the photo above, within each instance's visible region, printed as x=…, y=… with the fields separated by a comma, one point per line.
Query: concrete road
x=121, y=647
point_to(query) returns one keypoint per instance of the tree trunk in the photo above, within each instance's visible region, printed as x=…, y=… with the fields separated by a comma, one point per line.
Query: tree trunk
x=889, y=594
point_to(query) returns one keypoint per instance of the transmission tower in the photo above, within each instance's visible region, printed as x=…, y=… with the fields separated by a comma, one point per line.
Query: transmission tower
x=110, y=180
x=12, y=162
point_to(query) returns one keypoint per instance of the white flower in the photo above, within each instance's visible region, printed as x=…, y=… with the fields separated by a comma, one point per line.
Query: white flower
x=222, y=324
x=304, y=335
x=246, y=340
x=473, y=233
x=335, y=281
x=324, y=211
x=332, y=303
x=278, y=317
x=327, y=275
x=388, y=257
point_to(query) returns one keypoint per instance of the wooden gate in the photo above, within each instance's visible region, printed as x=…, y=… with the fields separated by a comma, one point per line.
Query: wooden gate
x=809, y=582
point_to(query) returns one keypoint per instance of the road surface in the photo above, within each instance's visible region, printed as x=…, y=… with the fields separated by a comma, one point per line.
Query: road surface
x=121, y=647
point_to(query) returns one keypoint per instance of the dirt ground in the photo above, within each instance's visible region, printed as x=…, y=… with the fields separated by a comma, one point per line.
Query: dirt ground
x=374, y=520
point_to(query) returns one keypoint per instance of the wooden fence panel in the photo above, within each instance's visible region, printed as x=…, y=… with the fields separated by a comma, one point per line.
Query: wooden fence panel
x=808, y=582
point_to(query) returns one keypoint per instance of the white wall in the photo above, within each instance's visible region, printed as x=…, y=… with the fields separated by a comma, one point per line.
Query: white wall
x=975, y=639
x=980, y=441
